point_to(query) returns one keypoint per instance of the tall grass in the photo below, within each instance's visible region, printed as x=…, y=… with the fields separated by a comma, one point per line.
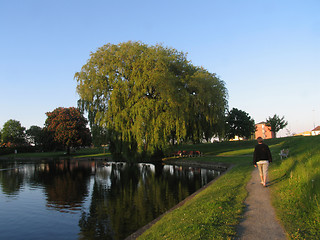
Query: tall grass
x=296, y=188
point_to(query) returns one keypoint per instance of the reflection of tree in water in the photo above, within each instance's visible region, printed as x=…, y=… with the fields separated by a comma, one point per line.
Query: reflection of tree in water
x=106, y=213
x=124, y=197
x=66, y=183
x=11, y=178
x=96, y=224
x=142, y=195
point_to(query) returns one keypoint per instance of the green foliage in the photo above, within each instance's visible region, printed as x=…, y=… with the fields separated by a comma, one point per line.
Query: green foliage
x=150, y=96
x=276, y=123
x=48, y=143
x=68, y=127
x=99, y=133
x=34, y=135
x=13, y=133
x=240, y=124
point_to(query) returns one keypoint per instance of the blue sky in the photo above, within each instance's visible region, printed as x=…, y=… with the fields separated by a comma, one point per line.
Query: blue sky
x=266, y=52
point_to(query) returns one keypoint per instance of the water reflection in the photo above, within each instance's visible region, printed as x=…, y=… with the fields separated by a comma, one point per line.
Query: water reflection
x=111, y=200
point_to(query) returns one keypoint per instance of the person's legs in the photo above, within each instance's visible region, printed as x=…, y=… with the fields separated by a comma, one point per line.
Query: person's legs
x=260, y=167
x=265, y=172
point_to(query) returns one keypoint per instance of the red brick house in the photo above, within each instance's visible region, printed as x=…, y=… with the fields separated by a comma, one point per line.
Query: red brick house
x=315, y=131
x=263, y=130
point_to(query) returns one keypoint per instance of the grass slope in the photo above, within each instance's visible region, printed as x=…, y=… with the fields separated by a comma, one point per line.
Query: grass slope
x=296, y=188
x=212, y=214
x=215, y=212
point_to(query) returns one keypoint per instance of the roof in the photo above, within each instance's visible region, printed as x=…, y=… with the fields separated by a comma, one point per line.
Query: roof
x=263, y=123
x=316, y=129
x=306, y=133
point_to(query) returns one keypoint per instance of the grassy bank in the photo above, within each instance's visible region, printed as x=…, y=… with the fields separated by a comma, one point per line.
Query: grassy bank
x=296, y=188
x=215, y=212
x=212, y=214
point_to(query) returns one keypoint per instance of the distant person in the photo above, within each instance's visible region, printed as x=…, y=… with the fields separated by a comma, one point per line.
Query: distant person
x=262, y=157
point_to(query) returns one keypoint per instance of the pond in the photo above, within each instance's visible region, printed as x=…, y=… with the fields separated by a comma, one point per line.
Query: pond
x=87, y=199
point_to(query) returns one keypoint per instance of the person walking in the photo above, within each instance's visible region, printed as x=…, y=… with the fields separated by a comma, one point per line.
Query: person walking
x=261, y=158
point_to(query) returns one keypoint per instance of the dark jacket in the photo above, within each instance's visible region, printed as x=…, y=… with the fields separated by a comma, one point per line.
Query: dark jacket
x=261, y=152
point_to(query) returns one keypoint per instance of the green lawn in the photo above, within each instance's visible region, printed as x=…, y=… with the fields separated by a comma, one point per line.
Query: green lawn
x=296, y=189
x=215, y=212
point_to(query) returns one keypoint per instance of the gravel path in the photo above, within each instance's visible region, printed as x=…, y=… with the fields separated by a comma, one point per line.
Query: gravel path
x=259, y=220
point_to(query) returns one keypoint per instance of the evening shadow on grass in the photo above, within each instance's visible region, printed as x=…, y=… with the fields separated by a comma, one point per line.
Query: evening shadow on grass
x=277, y=180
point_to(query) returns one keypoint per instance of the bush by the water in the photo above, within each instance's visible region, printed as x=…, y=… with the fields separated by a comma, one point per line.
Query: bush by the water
x=20, y=149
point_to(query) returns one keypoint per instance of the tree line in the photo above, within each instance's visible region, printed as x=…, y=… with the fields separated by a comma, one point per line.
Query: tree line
x=64, y=128
x=140, y=100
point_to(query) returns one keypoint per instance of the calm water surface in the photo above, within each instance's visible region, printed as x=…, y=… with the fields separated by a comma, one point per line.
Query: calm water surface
x=72, y=199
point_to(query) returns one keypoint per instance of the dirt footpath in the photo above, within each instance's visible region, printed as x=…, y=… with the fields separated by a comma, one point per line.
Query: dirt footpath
x=259, y=220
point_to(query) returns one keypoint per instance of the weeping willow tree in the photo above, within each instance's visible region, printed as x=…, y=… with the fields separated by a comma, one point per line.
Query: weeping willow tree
x=148, y=97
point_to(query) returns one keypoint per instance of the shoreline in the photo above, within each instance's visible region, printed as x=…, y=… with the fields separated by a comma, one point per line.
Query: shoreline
x=140, y=231
x=198, y=163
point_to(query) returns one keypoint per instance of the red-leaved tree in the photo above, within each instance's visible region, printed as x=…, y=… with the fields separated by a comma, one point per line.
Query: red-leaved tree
x=68, y=127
